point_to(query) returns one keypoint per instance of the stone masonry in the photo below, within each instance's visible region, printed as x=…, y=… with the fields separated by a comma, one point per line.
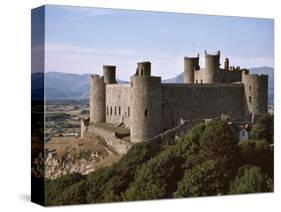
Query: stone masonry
x=148, y=107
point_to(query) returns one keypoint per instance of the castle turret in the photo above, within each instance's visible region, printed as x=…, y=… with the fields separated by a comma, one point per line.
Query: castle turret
x=212, y=65
x=144, y=69
x=191, y=64
x=109, y=73
x=256, y=93
x=145, y=117
x=97, y=99
x=226, y=64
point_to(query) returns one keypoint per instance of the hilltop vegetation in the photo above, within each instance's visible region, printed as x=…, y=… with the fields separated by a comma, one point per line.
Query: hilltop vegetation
x=205, y=161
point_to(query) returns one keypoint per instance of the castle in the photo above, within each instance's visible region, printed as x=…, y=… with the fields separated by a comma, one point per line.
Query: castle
x=148, y=107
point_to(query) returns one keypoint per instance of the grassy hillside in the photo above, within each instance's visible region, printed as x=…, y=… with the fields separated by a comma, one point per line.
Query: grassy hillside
x=206, y=161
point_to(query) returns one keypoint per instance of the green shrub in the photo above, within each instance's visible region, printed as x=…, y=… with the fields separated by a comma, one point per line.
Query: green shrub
x=68, y=189
x=258, y=153
x=250, y=179
x=263, y=129
x=156, y=178
x=121, y=174
x=220, y=142
x=202, y=180
x=204, y=161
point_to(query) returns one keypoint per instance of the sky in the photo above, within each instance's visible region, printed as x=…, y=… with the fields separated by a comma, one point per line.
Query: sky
x=80, y=40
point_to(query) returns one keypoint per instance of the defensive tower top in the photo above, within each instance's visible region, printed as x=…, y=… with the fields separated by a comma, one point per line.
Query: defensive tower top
x=144, y=68
x=192, y=61
x=109, y=73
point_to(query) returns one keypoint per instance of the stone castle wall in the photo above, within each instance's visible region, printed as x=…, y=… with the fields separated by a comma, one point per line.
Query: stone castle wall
x=178, y=101
x=199, y=101
x=110, y=140
x=118, y=104
x=223, y=76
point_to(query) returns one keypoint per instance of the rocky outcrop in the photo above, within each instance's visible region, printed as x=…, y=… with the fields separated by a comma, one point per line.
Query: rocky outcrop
x=74, y=160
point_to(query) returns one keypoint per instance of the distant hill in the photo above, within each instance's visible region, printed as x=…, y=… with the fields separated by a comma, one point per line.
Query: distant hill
x=62, y=86
x=258, y=70
x=66, y=86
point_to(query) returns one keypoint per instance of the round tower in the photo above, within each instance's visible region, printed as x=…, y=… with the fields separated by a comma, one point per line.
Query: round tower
x=212, y=65
x=97, y=99
x=256, y=93
x=191, y=64
x=144, y=69
x=109, y=73
x=145, y=119
x=226, y=64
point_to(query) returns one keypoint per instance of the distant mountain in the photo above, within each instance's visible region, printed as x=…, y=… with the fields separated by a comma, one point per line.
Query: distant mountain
x=65, y=86
x=61, y=86
x=258, y=70
x=177, y=79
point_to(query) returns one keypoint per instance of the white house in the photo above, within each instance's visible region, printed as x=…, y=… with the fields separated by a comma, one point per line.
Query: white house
x=243, y=135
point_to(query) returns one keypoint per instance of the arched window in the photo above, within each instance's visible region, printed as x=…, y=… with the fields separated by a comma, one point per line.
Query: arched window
x=110, y=110
x=128, y=111
x=115, y=111
x=119, y=111
x=250, y=99
x=250, y=88
x=145, y=112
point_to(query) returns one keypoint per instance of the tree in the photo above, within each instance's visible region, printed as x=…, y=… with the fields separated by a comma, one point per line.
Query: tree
x=220, y=142
x=250, y=179
x=263, y=129
x=201, y=180
x=258, y=153
x=157, y=178
x=108, y=185
x=68, y=189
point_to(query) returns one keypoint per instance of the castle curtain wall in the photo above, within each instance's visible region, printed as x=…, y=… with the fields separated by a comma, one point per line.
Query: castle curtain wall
x=200, y=101
x=118, y=104
x=223, y=76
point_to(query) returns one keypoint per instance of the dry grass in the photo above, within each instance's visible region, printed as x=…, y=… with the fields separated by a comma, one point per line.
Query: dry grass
x=89, y=143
